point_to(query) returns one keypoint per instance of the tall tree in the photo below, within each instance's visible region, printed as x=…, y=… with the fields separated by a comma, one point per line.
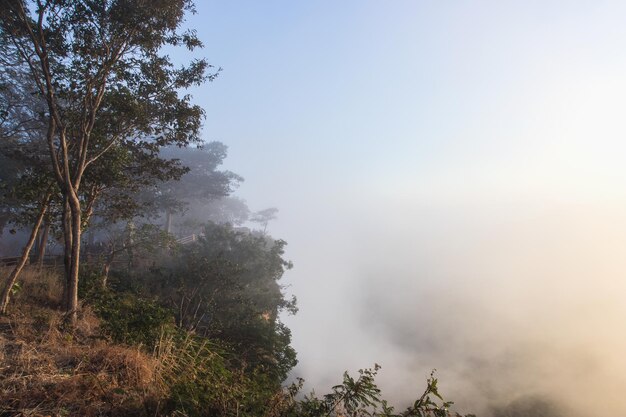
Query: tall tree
x=227, y=286
x=263, y=217
x=203, y=183
x=23, y=152
x=6, y=292
x=26, y=191
x=107, y=83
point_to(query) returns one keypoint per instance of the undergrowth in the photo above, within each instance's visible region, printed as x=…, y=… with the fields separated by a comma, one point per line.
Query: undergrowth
x=126, y=357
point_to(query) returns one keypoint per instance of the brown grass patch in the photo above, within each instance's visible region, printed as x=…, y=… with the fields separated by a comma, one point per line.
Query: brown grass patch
x=47, y=371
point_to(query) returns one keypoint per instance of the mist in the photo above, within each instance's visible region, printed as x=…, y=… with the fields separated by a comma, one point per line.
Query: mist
x=451, y=186
x=447, y=180
x=506, y=302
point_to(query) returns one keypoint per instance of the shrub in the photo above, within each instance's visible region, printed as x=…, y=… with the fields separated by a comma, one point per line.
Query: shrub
x=125, y=317
x=201, y=379
x=132, y=320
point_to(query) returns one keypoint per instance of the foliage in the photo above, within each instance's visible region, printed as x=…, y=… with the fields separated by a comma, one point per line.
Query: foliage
x=358, y=397
x=198, y=376
x=126, y=317
x=24, y=168
x=226, y=287
x=534, y=406
x=230, y=210
x=229, y=353
x=112, y=99
x=131, y=320
x=92, y=109
x=202, y=182
x=193, y=375
x=263, y=217
x=24, y=165
x=203, y=380
x=198, y=188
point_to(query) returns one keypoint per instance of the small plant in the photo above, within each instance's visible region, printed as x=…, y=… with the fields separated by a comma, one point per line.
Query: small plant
x=16, y=288
x=359, y=397
x=132, y=320
x=200, y=379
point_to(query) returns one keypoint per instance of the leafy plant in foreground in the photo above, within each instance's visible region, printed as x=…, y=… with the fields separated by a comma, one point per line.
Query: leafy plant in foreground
x=358, y=397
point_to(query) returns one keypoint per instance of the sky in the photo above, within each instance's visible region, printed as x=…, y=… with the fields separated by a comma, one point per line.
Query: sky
x=451, y=183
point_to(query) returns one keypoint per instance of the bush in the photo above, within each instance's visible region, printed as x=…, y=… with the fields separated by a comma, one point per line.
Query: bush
x=201, y=379
x=126, y=317
x=226, y=286
x=132, y=320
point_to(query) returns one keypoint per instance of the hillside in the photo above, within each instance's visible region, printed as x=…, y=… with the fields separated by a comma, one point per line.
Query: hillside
x=49, y=368
x=48, y=371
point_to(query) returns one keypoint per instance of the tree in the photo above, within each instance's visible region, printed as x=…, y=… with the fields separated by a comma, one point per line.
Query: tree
x=202, y=184
x=263, y=217
x=227, y=210
x=25, y=190
x=6, y=292
x=22, y=148
x=107, y=84
x=226, y=287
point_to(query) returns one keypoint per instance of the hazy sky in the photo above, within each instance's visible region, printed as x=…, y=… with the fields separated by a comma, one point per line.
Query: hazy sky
x=451, y=182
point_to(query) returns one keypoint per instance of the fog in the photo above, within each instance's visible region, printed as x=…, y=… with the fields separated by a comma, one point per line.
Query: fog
x=505, y=301
x=450, y=178
x=451, y=184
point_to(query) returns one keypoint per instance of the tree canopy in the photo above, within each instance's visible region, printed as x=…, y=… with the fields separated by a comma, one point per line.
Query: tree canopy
x=111, y=96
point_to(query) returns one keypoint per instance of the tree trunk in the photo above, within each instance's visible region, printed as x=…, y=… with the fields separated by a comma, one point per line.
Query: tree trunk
x=131, y=244
x=6, y=293
x=37, y=243
x=72, y=305
x=106, y=268
x=168, y=221
x=43, y=244
x=67, y=250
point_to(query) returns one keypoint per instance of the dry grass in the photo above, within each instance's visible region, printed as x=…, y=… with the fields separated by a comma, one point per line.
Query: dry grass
x=48, y=371
x=44, y=287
